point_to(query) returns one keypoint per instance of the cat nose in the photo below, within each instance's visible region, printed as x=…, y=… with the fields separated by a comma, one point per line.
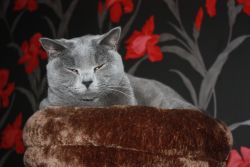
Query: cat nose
x=87, y=83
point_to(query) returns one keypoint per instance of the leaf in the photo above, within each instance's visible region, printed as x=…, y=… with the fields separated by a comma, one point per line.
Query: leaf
x=51, y=26
x=169, y=37
x=182, y=53
x=17, y=47
x=188, y=85
x=211, y=77
x=37, y=75
x=33, y=86
x=238, y=124
x=172, y=6
x=194, y=48
x=42, y=86
x=66, y=18
x=131, y=20
x=4, y=7
x=55, y=5
x=30, y=97
x=183, y=34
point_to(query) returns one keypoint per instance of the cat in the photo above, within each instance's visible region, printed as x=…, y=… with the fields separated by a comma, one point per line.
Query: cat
x=88, y=71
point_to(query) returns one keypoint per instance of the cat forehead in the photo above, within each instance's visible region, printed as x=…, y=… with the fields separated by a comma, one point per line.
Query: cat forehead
x=85, y=40
x=84, y=50
x=82, y=46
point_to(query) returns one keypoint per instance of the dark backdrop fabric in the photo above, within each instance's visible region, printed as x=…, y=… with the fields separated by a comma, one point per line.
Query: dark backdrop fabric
x=199, y=48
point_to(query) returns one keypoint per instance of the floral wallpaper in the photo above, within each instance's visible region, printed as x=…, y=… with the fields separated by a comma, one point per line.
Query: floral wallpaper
x=196, y=47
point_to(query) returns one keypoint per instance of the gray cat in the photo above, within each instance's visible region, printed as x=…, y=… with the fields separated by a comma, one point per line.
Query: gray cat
x=88, y=71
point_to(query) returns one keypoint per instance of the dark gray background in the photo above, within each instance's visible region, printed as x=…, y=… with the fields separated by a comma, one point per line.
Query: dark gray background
x=233, y=86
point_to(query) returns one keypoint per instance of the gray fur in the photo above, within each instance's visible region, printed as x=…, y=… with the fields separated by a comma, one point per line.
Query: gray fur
x=110, y=85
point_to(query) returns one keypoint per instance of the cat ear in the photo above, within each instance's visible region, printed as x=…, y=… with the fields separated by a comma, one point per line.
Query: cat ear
x=52, y=47
x=111, y=38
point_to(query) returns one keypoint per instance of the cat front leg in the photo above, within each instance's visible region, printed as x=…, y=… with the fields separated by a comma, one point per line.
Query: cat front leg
x=44, y=104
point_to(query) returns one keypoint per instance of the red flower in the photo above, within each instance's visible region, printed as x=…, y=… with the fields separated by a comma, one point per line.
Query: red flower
x=246, y=6
x=5, y=89
x=12, y=136
x=235, y=160
x=211, y=7
x=31, y=5
x=117, y=7
x=144, y=42
x=31, y=52
x=199, y=19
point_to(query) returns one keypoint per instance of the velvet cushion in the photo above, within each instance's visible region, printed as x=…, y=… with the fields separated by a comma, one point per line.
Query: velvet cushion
x=127, y=136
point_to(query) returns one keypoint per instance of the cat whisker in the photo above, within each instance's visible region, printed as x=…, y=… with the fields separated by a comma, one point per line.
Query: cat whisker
x=115, y=90
x=119, y=87
x=123, y=87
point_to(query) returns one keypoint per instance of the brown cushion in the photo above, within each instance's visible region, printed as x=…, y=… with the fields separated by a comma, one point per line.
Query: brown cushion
x=128, y=136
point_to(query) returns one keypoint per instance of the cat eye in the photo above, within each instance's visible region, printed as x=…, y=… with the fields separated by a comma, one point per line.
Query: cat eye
x=73, y=70
x=98, y=67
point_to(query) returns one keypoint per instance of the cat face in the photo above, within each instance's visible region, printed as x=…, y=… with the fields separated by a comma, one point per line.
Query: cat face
x=84, y=68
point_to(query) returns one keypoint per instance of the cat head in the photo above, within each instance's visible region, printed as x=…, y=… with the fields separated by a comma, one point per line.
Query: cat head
x=84, y=67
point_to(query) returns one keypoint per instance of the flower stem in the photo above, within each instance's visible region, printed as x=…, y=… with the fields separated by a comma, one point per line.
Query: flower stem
x=30, y=97
x=14, y=24
x=101, y=18
x=5, y=157
x=215, y=104
x=66, y=18
x=7, y=113
x=8, y=27
x=238, y=124
x=51, y=25
x=133, y=69
x=131, y=20
x=193, y=44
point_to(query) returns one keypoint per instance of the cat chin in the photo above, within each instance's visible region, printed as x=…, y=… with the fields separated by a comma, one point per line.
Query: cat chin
x=89, y=99
x=88, y=94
